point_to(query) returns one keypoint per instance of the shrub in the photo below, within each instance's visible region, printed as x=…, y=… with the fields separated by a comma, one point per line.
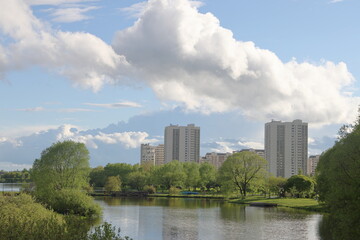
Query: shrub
x=174, y=190
x=106, y=232
x=71, y=201
x=150, y=189
x=22, y=218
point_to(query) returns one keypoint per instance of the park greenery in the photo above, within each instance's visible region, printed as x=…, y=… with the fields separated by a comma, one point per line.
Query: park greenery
x=338, y=182
x=59, y=206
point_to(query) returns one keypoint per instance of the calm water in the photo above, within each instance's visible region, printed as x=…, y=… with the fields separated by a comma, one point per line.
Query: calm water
x=188, y=219
x=10, y=187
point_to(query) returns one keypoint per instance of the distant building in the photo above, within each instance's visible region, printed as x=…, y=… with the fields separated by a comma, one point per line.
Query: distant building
x=153, y=154
x=182, y=143
x=260, y=152
x=286, y=147
x=215, y=159
x=312, y=164
x=159, y=155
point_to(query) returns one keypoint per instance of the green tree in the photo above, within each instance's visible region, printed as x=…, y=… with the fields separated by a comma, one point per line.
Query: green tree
x=138, y=179
x=276, y=185
x=192, y=177
x=169, y=174
x=113, y=184
x=240, y=170
x=338, y=181
x=207, y=175
x=300, y=186
x=63, y=165
x=97, y=177
x=119, y=169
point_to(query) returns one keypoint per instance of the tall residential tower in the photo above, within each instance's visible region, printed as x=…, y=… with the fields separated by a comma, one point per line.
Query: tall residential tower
x=286, y=147
x=182, y=143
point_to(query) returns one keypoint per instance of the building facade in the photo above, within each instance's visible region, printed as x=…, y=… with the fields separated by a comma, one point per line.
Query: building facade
x=215, y=159
x=182, y=143
x=153, y=154
x=312, y=164
x=286, y=147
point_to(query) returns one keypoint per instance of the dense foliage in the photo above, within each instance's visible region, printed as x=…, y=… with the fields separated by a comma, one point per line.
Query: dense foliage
x=338, y=182
x=61, y=176
x=22, y=218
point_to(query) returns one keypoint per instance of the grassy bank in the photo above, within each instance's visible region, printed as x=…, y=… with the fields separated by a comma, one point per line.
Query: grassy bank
x=297, y=203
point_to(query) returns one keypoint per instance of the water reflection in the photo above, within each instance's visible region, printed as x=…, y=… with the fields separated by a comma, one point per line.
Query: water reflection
x=174, y=219
x=10, y=187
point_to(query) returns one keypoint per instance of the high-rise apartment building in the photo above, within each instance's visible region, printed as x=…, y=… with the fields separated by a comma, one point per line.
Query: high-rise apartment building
x=153, y=154
x=312, y=164
x=182, y=143
x=286, y=147
x=216, y=159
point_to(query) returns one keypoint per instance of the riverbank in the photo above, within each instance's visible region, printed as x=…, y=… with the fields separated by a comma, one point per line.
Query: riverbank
x=307, y=204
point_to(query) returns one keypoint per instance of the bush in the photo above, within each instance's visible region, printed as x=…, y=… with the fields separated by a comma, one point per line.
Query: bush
x=22, y=218
x=174, y=190
x=106, y=232
x=71, y=201
x=150, y=189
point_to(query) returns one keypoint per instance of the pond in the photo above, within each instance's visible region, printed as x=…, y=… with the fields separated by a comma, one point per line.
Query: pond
x=10, y=187
x=190, y=219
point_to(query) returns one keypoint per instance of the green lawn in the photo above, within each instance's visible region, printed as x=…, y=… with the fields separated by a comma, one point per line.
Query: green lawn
x=299, y=203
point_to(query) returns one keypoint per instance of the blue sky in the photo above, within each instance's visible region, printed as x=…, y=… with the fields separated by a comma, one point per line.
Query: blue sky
x=113, y=74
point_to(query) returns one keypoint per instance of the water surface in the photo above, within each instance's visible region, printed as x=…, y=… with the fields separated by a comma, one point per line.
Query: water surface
x=190, y=219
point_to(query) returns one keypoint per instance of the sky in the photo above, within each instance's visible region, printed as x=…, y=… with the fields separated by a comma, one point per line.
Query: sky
x=113, y=74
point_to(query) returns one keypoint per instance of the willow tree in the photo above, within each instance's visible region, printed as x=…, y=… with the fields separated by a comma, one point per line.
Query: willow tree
x=241, y=170
x=64, y=165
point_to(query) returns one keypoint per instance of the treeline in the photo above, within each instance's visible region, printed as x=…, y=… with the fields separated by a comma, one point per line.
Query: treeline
x=242, y=173
x=15, y=176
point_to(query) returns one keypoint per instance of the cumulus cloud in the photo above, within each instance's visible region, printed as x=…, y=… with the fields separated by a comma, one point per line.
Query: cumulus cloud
x=187, y=57
x=126, y=139
x=115, y=105
x=82, y=57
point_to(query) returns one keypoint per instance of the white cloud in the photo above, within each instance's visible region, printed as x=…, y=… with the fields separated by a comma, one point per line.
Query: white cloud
x=252, y=145
x=14, y=142
x=224, y=147
x=336, y=1
x=82, y=57
x=35, y=109
x=126, y=139
x=21, y=131
x=187, y=57
x=115, y=105
x=71, y=14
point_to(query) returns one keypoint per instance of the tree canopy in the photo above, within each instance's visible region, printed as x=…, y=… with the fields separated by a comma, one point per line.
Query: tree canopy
x=240, y=170
x=63, y=165
x=338, y=183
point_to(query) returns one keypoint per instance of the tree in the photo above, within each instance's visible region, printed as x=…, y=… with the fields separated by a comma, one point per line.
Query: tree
x=240, y=170
x=299, y=185
x=192, y=178
x=276, y=185
x=169, y=174
x=338, y=181
x=119, y=169
x=207, y=175
x=138, y=179
x=98, y=177
x=63, y=165
x=113, y=184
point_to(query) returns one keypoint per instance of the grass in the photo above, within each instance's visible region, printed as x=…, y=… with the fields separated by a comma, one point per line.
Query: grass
x=297, y=203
